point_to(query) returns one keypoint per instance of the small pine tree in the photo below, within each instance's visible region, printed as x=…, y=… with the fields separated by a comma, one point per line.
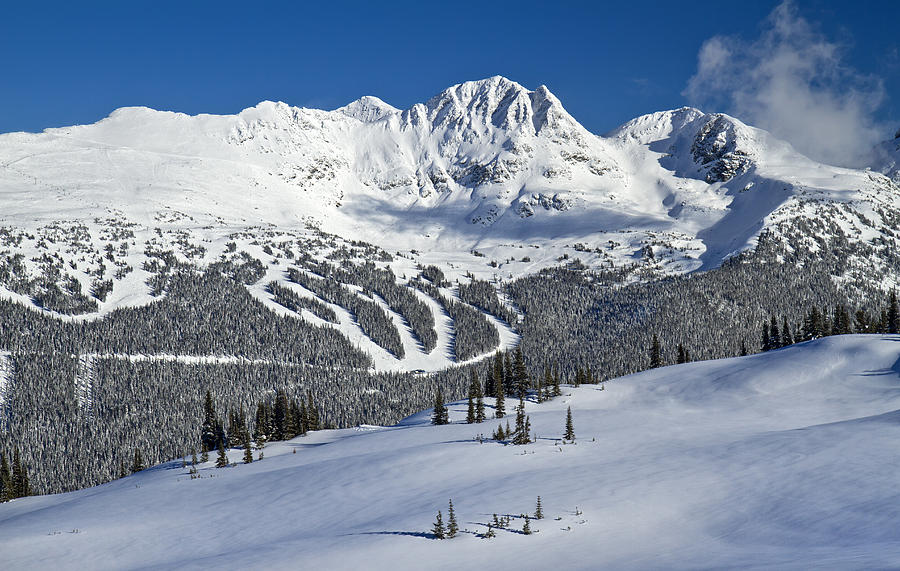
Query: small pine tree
x=682, y=355
x=122, y=471
x=470, y=411
x=520, y=375
x=499, y=404
x=440, y=414
x=5, y=479
x=204, y=453
x=743, y=349
x=248, y=449
x=570, y=427
x=452, y=527
x=788, y=339
x=893, y=314
x=489, y=534
x=194, y=457
x=766, y=340
x=479, y=400
x=138, y=463
x=655, y=353
x=520, y=436
x=438, y=529
x=538, y=510
x=526, y=527
x=222, y=459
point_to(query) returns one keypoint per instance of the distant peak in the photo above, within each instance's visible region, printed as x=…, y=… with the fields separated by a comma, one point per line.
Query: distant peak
x=368, y=109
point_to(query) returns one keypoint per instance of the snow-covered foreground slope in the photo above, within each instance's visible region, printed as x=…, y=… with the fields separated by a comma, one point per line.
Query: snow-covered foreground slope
x=780, y=459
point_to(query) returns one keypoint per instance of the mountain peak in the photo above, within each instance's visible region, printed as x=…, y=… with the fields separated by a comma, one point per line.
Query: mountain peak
x=368, y=109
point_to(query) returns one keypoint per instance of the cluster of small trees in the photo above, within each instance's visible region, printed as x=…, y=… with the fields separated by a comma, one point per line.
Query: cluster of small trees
x=282, y=419
x=14, y=481
x=451, y=530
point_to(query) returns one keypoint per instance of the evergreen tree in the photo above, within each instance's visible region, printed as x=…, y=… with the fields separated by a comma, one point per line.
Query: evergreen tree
x=816, y=324
x=539, y=510
x=496, y=378
x=523, y=425
x=489, y=534
x=766, y=339
x=280, y=416
x=893, y=314
x=521, y=375
x=209, y=432
x=204, y=453
x=526, y=527
x=295, y=422
x=655, y=353
x=248, y=449
x=500, y=400
x=570, y=427
x=452, y=527
x=682, y=357
x=122, y=471
x=861, y=322
x=194, y=457
x=470, y=411
x=438, y=529
x=138, y=463
x=508, y=375
x=261, y=427
x=557, y=391
x=774, y=335
x=479, y=401
x=743, y=349
x=6, y=481
x=222, y=459
x=786, y=337
x=315, y=422
x=440, y=414
x=548, y=384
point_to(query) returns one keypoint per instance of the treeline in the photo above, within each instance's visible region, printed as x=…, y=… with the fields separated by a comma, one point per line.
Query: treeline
x=155, y=407
x=577, y=318
x=819, y=323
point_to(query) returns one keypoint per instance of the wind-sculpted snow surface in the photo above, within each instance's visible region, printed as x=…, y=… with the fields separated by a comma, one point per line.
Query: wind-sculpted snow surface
x=773, y=460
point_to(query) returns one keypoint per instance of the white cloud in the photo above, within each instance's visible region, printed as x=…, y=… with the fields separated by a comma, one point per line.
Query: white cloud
x=793, y=82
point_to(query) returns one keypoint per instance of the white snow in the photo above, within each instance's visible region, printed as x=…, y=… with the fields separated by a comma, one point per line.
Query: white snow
x=783, y=459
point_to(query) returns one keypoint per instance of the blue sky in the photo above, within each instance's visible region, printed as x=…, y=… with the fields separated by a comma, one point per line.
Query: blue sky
x=74, y=62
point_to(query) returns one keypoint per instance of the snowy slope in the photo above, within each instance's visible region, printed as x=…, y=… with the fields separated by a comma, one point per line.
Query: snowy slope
x=780, y=459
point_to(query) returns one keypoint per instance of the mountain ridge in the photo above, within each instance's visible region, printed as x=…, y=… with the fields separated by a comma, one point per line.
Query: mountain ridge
x=484, y=166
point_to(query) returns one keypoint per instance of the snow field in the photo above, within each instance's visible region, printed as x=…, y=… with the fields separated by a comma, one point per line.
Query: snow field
x=780, y=459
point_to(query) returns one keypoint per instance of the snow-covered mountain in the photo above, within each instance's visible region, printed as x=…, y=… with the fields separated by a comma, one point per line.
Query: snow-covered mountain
x=487, y=179
x=887, y=157
x=773, y=460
